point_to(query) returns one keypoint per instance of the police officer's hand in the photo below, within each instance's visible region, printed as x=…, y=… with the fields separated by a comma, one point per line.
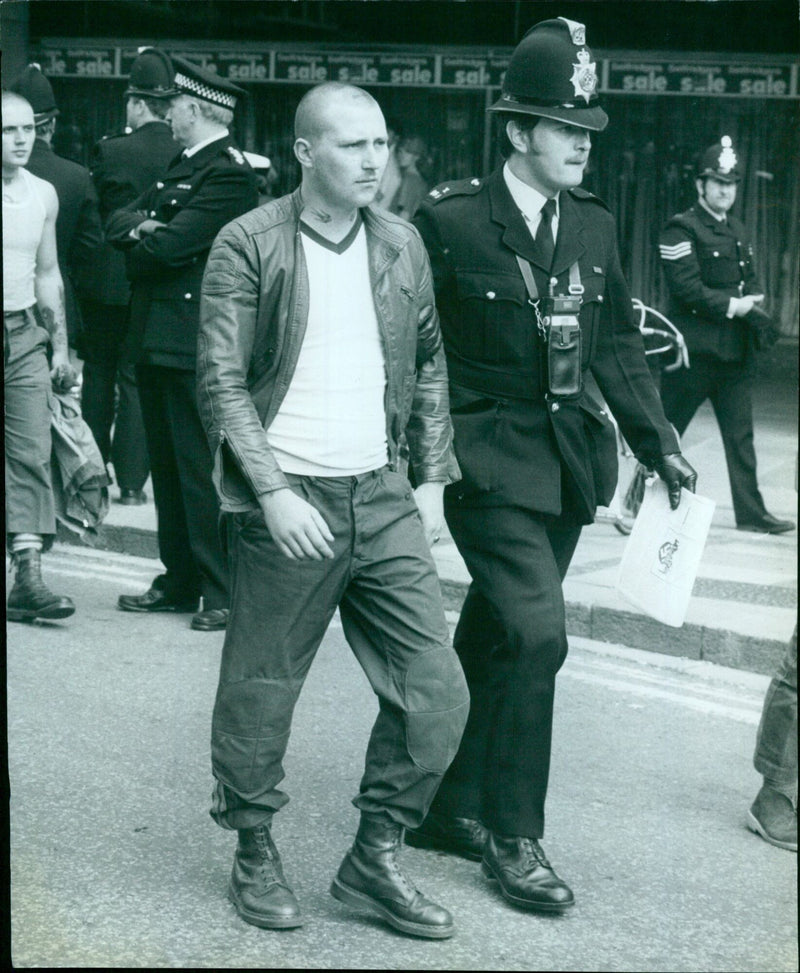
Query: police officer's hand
x=676, y=473
x=298, y=529
x=148, y=226
x=744, y=305
x=430, y=501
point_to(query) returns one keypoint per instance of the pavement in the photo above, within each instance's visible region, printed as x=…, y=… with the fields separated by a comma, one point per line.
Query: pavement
x=744, y=600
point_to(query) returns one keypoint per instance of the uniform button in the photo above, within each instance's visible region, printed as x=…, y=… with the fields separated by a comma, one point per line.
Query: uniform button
x=173, y=202
x=159, y=185
x=555, y=407
x=475, y=182
x=152, y=212
x=600, y=298
x=188, y=297
x=491, y=295
x=716, y=253
x=741, y=263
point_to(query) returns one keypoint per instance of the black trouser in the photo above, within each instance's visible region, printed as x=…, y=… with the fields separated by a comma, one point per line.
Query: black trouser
x=186, y=502
x=128, y=451
x=511, y=640
x=729, y=387
x=107, y=367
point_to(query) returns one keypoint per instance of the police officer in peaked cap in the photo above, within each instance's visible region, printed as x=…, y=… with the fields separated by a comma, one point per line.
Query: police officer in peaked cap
x=78, y=230
x=123, y=166
x=531, y=298
x=166, y=234
x=716, y=301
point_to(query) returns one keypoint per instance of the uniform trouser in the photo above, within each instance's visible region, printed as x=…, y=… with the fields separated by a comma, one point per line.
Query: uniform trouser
x=775, y=755
x=105, y=370
x=383, y=579
x=729, y=387
x=186, y=502
x=511, y=640
x=30, y=507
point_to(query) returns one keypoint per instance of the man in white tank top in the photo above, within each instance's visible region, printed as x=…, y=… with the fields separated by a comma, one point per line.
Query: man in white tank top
x=31, y=279
x=338, y=296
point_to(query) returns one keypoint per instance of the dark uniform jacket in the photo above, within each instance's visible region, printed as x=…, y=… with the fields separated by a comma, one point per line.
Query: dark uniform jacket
x=124, y=166
x=514, y=446
x=79, y=233
x=196, y=197
x=707, y=262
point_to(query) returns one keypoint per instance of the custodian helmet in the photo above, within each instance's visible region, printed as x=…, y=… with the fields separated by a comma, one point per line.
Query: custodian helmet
x=720, y=162
x=152, y=75
x=552, y=74
x=34, y=87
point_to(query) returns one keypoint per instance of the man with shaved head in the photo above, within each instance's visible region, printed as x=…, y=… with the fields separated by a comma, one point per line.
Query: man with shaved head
x=320, y=367
x=35, y=355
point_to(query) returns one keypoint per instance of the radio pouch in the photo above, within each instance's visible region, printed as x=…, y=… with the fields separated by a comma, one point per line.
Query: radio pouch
x=560, y=331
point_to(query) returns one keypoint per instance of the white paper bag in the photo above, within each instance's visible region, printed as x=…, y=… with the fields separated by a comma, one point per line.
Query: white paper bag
x=663, y=553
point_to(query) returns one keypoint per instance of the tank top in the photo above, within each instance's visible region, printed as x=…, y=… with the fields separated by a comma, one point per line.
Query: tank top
x=23, y=224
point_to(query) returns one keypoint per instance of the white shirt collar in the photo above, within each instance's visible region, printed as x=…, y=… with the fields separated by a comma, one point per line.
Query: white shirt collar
x=529, y=200
x=188, y=153
x=717, y=217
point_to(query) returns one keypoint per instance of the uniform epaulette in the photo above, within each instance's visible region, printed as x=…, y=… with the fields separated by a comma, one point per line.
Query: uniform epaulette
x=580, y=193
x=236, y=155
x=116, y=135
x=461, y=187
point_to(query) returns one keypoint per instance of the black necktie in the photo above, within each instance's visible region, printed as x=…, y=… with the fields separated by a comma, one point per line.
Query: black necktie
x=544, y=233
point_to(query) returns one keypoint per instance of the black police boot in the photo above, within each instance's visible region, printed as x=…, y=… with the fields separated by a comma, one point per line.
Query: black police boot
x=370, y=877
x=525, y=876
x=258, y=888
x=458, y=836
x=30, y=598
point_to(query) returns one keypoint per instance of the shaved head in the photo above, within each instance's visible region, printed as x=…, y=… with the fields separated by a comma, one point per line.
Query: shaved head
x=320, y=105
x=12, y=98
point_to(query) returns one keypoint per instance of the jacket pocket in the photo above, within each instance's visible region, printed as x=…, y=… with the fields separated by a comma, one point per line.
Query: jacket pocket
x=601, y=444
x=476, y=440
x=489, y=312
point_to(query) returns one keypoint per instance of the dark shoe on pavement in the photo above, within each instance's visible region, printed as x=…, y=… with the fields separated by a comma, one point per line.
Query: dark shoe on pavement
x=258, y=887
x=768, y=525
x=132, y=498
x=212, y=620
x=155, y=599
x=30, y=599
x=525, y=876
x=370, y=878
x=459, y=836
x=774, y=817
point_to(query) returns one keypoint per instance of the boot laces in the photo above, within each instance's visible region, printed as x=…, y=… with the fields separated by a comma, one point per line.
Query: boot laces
x=534, y=854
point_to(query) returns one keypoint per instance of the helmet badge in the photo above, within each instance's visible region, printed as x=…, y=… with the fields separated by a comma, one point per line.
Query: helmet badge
x=727, y=158
x=584, y=76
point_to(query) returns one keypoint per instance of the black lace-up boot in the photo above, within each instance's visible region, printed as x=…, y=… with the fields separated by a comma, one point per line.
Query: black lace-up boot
x=258, y=888
x=370, y=877
x=30, y=598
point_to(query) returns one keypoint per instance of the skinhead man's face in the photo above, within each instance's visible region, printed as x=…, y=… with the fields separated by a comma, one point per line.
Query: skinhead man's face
x=350, y=154
x=556, y=157
x=19, y=133
x=719, y=196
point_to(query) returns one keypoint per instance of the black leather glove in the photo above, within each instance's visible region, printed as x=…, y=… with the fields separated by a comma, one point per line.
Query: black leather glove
x=676, y=473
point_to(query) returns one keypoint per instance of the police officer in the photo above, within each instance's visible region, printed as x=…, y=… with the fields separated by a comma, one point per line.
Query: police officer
x=79, y=233
x=167, y=233
x=531, y=296
x=122, y=167
x=715, y=300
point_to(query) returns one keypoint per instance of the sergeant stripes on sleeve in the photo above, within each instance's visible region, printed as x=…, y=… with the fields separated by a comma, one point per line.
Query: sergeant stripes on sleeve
x=682, y=249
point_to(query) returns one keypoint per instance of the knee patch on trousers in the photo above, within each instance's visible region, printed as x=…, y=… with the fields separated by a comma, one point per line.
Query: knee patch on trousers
x=437, y=704
x=249, y=734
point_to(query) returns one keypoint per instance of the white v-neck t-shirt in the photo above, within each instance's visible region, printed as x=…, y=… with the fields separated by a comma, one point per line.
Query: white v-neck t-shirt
x=332, y=421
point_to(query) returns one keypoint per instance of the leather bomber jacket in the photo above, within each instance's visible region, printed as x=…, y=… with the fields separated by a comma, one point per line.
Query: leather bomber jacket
x=253, y=314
